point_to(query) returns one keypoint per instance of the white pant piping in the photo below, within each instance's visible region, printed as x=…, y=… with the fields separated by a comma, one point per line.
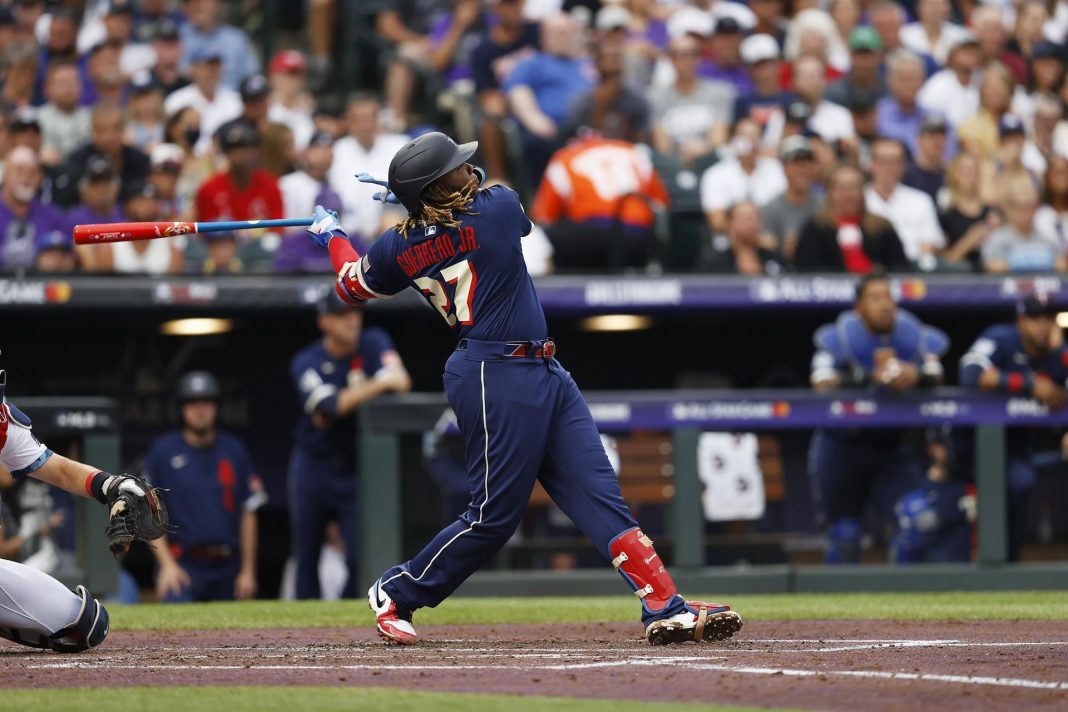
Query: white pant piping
x=485, y=498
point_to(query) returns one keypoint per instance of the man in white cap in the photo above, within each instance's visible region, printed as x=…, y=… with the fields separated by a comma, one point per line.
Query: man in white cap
x=761, y=56
x=687, y=21
x=168, y=160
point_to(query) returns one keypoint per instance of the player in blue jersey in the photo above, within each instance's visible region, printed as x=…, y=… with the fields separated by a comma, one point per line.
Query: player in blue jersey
x=1027, y=358
x=521, y=415
x=874, y=347
x=213, y=492
x=334, y=376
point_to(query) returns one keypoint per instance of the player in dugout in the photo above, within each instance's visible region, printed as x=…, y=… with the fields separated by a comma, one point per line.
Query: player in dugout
x=214, y=492
x=873, y=347
x=1027, y=358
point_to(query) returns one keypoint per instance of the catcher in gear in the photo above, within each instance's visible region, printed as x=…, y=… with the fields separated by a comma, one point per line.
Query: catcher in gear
x=35, y=609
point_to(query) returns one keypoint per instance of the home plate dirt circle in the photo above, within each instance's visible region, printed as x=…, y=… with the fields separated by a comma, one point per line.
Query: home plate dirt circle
x=839, y=665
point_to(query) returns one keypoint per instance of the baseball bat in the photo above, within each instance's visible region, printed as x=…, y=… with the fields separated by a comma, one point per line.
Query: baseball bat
x=124, y=232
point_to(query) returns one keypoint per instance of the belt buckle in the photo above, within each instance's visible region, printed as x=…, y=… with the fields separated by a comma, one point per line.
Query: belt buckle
x=548, y=349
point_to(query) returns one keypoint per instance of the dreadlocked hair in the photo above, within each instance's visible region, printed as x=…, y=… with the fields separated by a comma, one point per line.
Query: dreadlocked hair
x=439, y=207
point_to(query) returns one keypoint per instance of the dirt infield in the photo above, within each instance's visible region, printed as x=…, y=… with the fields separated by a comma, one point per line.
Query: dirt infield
x=837, y=665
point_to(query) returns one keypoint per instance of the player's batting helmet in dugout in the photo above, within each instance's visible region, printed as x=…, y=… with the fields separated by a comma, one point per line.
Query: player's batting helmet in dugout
x=197, y=385
x=421, y=162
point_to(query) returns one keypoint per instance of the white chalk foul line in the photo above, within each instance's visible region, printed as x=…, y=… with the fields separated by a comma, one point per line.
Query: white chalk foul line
x=911, y=676
x=920, y=644
x=681, y=661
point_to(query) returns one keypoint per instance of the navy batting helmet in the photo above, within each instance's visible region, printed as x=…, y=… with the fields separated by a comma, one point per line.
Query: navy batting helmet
x=421, y=162
x=197, y=385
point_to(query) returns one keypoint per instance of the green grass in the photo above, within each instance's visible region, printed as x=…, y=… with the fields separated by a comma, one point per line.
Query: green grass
x=1007, y=605
x=288, y=699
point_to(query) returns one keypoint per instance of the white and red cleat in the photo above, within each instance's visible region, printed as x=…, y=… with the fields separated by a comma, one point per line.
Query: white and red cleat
x=701, y=622
x=393, y=628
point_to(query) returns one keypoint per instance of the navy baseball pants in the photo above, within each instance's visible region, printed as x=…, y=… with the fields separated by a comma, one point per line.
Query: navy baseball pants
x=848, y=476
x=522, y=419
x=208, y=581
x=321, y=491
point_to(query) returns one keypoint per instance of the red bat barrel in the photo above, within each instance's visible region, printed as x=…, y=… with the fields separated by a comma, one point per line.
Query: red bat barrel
x=124, y=232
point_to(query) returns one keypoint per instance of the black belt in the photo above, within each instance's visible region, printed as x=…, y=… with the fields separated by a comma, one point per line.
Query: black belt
x=520, y=349
x=211, y=552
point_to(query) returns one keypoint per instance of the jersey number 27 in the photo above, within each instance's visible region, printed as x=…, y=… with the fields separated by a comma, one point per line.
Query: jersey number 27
x=462, y=274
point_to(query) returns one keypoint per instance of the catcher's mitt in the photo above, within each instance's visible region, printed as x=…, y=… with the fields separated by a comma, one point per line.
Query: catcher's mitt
x=136, y=512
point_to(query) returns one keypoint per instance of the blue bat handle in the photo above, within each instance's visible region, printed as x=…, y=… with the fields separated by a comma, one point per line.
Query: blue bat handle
x=225, y=226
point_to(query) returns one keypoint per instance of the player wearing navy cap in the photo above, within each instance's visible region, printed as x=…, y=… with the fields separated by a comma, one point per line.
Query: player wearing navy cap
x=521, y=415
x=333, y=377
x=213, y=492
x=1027, y=358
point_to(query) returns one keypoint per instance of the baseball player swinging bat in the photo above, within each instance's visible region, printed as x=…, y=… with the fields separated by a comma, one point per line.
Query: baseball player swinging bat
x=127, y=231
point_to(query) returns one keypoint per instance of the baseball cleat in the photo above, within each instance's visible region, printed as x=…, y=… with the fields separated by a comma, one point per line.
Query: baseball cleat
x=701, y=621
x=393, y=627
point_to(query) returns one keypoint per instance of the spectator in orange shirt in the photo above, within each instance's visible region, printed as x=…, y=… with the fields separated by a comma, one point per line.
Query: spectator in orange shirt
x=243, y=191
x=596, y=203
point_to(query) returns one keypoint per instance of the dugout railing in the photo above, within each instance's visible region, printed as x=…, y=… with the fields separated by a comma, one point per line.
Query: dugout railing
x=686, y=414
x=560, y=296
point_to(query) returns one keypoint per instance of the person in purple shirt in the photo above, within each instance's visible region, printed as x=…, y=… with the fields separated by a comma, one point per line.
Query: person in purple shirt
x=24, y=220
x=406, y=25
x=99, y=191
x=296, y=254
x=542, y=89
x=302, y=190
x=453, y=39
x=898, y=115
x=726, y=63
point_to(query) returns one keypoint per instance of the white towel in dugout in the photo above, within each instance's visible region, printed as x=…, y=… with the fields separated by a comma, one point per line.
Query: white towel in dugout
x=730, y=471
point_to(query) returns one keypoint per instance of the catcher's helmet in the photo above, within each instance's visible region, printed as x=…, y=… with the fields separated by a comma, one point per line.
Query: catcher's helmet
x=198, y=385
x=421, y=162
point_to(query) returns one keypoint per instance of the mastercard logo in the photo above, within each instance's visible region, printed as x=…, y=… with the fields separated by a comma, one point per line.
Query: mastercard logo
x=913, y=289
x=780, y=409
x=57, y=292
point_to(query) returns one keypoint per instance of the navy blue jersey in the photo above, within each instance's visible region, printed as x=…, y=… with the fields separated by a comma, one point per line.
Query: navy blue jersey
x=1000, y=347
x=208, y=489
x=318, y=377
x=473, y=275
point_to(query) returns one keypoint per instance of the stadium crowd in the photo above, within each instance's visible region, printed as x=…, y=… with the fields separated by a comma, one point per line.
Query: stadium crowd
x=814, y=136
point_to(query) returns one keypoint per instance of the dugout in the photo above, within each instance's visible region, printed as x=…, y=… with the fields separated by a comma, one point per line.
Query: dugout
x=91, y=335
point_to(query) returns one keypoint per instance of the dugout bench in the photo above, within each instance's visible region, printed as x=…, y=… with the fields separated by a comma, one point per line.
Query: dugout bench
x=686, y=414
